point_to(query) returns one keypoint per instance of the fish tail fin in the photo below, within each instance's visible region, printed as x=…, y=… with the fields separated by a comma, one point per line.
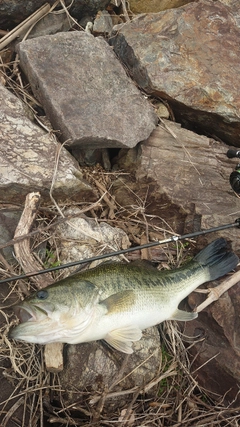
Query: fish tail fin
x=217, y=259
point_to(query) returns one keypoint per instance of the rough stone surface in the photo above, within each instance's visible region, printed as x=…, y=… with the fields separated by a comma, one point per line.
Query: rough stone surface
x=218, y=352
x=81, y=8
x=175, y=55
x=85, y=91
x=98, y=367
x=9, y=219
x=233, y=9
x=189, y=171
x=83, y=237
x=50, y=24
x=28, y=156
x=103, y=24
x=143, y=6
x=12, y=12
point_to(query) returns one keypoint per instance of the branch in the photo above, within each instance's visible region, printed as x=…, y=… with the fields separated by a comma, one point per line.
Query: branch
x=215, y=293
x=53, y=351
x=22, y=248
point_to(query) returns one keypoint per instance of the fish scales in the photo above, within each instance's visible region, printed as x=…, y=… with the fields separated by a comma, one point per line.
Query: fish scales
x=116, y=301
x=119, y=277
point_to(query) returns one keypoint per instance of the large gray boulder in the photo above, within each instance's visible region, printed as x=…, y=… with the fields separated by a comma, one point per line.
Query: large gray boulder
x=188, y=56
x=85, y=91
x=188, y=180
x=28, y=159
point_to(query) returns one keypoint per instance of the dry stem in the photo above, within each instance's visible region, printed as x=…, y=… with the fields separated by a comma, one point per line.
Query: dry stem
x=53, y=351
x=22, y=249
x=215, y=293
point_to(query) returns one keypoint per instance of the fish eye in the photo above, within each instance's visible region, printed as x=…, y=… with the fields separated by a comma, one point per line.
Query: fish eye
x=42, y=294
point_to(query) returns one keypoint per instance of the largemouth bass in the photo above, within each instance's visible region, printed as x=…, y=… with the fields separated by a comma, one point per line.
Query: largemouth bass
x=116, y=301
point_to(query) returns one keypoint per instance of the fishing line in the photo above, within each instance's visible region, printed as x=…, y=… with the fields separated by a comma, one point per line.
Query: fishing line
x=124, y=251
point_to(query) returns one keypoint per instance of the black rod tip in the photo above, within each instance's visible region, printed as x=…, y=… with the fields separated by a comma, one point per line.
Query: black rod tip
x=237, y=221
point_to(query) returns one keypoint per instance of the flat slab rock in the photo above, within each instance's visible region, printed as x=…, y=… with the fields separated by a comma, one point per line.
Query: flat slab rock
x=81, y=238
x=28, y=155
x=189, y=56
x=85, y=91
x=191, y=172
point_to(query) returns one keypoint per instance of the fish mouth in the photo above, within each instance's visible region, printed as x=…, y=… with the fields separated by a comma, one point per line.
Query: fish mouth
x=26, y=313
x=32, y=324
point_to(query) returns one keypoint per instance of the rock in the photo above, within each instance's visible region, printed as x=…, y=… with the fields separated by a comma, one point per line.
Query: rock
x=98, y=367
x=102, y=24
x=189, y=174
x=217, y=355
x=154, y=6
x=174, y=55
x=50, y=24
x=80, y=8
x=92, y=157
x=12, y=12
x=234, y=9
x=83, y=237
x=28, y=158
x=85, y=91
x=9, y=218
x=162, y=111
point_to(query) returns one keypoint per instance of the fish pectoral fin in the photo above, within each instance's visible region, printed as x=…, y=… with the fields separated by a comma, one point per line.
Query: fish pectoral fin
x=119, y=302
x=122, y=339
x=184, y=316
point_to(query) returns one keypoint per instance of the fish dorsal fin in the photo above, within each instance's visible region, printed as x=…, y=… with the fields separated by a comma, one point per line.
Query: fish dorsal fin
x=121, y=339
x=119, y=302
x=184, y=316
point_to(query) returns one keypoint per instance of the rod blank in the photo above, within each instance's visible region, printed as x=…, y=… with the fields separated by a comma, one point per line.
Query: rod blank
x=124, y=251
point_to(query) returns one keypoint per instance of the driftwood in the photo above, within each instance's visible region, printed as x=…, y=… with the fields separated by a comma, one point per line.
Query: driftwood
x=53, y=352
x=215, y=293
x=22, y=248
x=53, y=356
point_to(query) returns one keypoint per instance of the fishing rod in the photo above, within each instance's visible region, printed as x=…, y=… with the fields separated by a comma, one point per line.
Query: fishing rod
x=124, y=251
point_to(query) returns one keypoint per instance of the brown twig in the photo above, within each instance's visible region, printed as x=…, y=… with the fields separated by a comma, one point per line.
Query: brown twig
x=22, y=249
x=53, y=352
x=215, y=293
x=103, y=191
